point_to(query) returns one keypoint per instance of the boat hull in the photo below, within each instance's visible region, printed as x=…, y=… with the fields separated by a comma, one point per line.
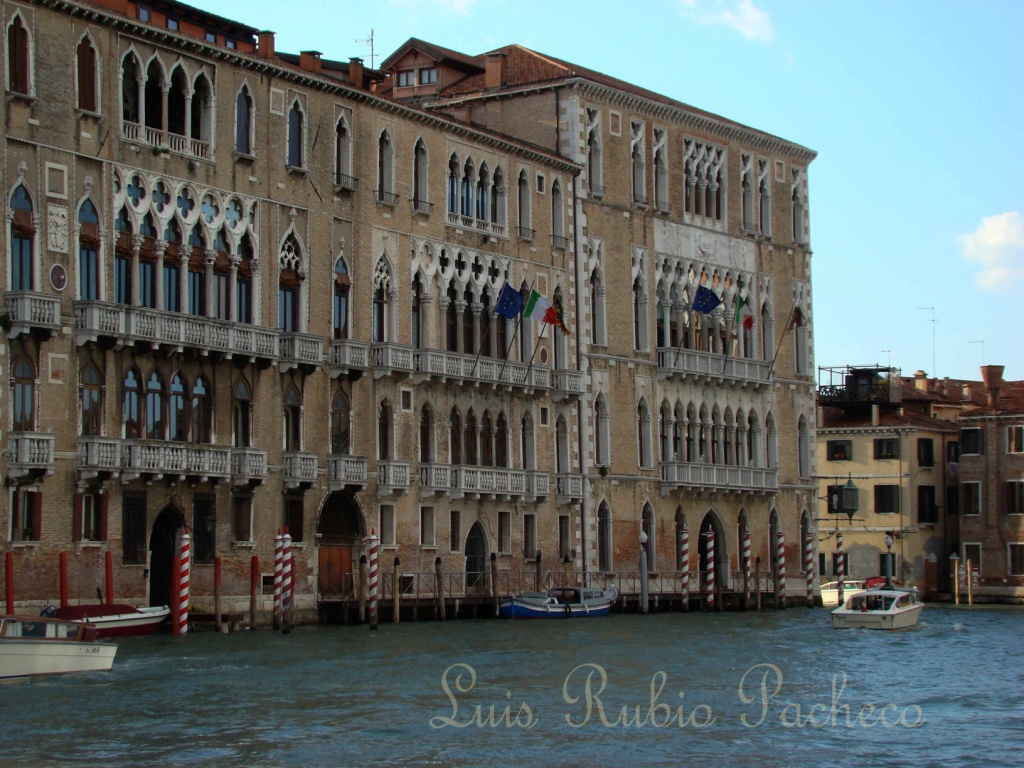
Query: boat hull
x=36, y=658
x=903, y=619
x=117, y=620
x=520, y=609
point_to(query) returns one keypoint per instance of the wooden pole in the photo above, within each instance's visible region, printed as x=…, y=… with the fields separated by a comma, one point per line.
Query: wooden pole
x=440, y=589
x=494, y=581
x=396, y=589
x=108, y=562
x=63, y=579
x=362, y=589
x=537, y=571
x=254, y=584
x=216, y=594
x=757, y=582
x=9, y=581
x=970, y=582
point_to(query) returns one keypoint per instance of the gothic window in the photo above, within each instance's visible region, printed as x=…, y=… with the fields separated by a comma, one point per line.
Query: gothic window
x=501, y=441
x=529, y=448
x=597, y=324
x=131, y=82
x=799, y=234
x=292, y=419
x=385, y=170
x=638, y=181
x=91, y=399
x=451, y=320
x=660, y=169
x=468, y=323
x=804, y=440
x=557, y=222
x=343, y=154
x=342, y=286
x=483, y=190
x=525, y=230
x=595, y=179
x=176, y=421
x=87, y=75
x=764, y=196
x=426, y=435
x=747, y=193
x=486, y=441
x=382, y=303
x=602, y=428
x=201, y=129
x=341, y=417
x=665, y=431
x=644, y=433
x=291, y=260
x=455, y=437
x=469, y=439
x=244, y=122
x=19, y=57
x=177, y=97
x=23, y=233
x=153, y=95
x=561, y=446
x=466, y=189
x=296, y=137
x=384, y=431
x=201, y=413
x=241, y=415
x=243, y=281
x=498, y=198
x=639, y=315
x=155, y=408
x=23, y=384
x=420, y=195
x=131, y=405
x=604, y=538
x=453, y=184
x=485, y=333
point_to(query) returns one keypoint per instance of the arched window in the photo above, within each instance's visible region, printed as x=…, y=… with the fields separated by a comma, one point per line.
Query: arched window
x=343, y=154
x=91, y=399
x=291, y=260
x=525, y=230
x=501, y=442
x=420, y=197
x=130, y=85
x=747, y=192
x=201, y=130
x=455, y=437
x=498, y=198
x=483, y=189
x=602, y=427
x=644, y=433
x=557, y=223
x=23, y=417
x=381, y=331
x=202, y=413
x=468, y=323
x=451, y=320
x=797, y=200
x=19, y=59
x=243, y=280
x=804, y=439
x=469, y=439
x=765, y=208
x=243, y=122
x=489, y=322
x=648, y=527
x=453, y=184
x=88, y=253
x=176, y=99
x=486, y=441
x=528, y=447
x=384, y=433
x=154, y=96
x=426, y=435
x=595, y=183
x=417, y=324
x=296, y=139
x=637, y=176
x=241, y=416
x=660, y=170
x=131, y=405
x=340, y=424
x=385, y=170
x=155, y=405
x=639, y=315
x=604, y=538
x=665, y=432
x=597, y=332
x=85, y=60
x=292, y=419
x=342, y=285
x=176, y=423
x=561, y=446
x=23, y=233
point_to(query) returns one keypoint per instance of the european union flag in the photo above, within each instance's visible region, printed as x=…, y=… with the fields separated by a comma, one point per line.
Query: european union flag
x=705, y=300
x=510, y=302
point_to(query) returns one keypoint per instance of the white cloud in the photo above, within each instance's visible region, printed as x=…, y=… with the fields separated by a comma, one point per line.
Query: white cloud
x=998, y=246
x=740, y=15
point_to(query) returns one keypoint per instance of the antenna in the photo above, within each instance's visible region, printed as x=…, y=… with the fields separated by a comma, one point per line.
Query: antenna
x=982, y=342
x=888, y=352
x=369, y=41
x=932, y=321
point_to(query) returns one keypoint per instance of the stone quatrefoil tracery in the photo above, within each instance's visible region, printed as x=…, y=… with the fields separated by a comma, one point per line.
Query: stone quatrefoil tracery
x=461, y=268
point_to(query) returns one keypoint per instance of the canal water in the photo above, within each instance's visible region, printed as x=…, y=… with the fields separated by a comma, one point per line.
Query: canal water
x=779, y=688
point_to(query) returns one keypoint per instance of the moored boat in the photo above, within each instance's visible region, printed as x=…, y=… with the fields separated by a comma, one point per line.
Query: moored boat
x=560, y=603
x=116, y=620
x=830, y=591
x=31, y=647
x=881, y=608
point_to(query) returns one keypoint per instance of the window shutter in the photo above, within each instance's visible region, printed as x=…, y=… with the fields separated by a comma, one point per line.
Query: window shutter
x=76, y=517
x=102, y=523
x=35, y=506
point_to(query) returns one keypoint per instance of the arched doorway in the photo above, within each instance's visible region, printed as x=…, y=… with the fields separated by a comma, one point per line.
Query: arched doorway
x=163, y=543
x=711, y=522
x=476, y=557
x=341, y=530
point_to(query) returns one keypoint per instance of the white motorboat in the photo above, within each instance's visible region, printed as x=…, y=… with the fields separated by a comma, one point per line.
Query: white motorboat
x=31, y=647
x=114, y=620
x=830, y=591
x=880, y=608
x=560, y=602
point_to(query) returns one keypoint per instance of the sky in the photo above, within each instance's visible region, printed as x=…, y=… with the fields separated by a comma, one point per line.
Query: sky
x=915, y=108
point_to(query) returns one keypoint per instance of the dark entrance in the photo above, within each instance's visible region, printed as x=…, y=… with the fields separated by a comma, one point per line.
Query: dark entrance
x=476, y=557
x=163, y=543
x=710, y=522
x=341, y=529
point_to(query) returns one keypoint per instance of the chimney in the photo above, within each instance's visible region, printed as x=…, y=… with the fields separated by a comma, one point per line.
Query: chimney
x=355, y=72
x=310, y=61
x=920, y=381
x=992, y=375
x=874, y=415
x=265, y=46
x=494, y=76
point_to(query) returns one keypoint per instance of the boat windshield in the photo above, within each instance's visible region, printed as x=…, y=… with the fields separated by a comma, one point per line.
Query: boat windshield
x=38, y=628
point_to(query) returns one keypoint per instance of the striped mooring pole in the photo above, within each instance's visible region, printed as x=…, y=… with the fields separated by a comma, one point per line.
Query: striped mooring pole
x=286, y=582
x=183, y=581
x=371, y=548
x=709, y=583
x=809, y=567
x=684, y=565
x=746, y=562
x=781, y=552
x=840, y=565
x=275, y=622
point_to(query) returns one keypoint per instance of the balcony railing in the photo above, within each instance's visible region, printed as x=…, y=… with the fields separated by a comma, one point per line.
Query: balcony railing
x=248, y=466
x=436, y=478
x=685, y=363
x=346, y=470
x=386, y=358
x=566, y=384
x=128, y=325
x=676, y=474
x=596, y=190
x=392, y=478
x=421, y=206
x=570, y=488
x=441, y=365
x=98, y=454
x=538, y=484
x=453, y=218
x=525, y=233
x=296, y=349
x=497, y=229
x=386, y=198
x=28, y=310
x=173, y=142
x=299, y=469
x=348, y=355
x=557, y=241
x=30, y=453
x=639, y=198
x=344, y=181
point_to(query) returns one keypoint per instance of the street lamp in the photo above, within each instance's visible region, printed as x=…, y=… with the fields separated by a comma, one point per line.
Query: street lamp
x=845, y=499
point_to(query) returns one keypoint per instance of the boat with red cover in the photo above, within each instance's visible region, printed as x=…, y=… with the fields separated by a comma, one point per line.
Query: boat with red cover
x=116, y=620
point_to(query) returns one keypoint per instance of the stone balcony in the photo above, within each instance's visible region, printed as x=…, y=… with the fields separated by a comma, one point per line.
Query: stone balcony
x=130, y=325
x=480, y=482
x=717, y=477
x=156, y=459
x=387, y=359
x=569, y=488
x=299, y=349
x=538, y=485
x=689, y=364
x=566, y=385
x=348, y=356
x=248, y=466
x=165, y=140
x=299, y=469
x=345, y=471
x=392, y=478
x=98, y=457
x=30, y=454
x=28, y=312
x=443, y=366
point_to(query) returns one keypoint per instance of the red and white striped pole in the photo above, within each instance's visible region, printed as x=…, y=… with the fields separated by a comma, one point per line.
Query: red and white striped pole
x=684, y=564
x=183, y=581
x=275, y=621
x=809, y=567
x=709, y=583
x=371, y=547
x=781, y=552
x=286, y=582
x=746, y=561
x=840, y=564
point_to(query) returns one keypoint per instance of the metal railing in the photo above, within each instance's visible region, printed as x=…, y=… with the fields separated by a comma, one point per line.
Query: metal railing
x=686, y=473
x=690, y=362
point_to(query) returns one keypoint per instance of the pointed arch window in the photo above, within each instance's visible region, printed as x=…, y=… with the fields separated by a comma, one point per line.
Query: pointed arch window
x=384, y=434
x=597, y=325
x=19, y=59
x=23, y=382
x=341, y=417
x=343, y=154
x=602, y=427
x=468, y=323
x=418, y=338
x=296, y=139
x=153, y=104
x=451, y=320
x=176, y=421
x=483, y=190
x=469, y=439
x=342, y=286
x=291, y=261
x=385, y=170
x=130, y=85
x=453, y=184
x=486, y=441
x=382, y=320
x=529, y=448
x=420, y=199
x=525, y=230
x=177, y=98
x=131, y=405
x=201, y=413
x=639, y=315
x=804, y=445
x=455, y=437
x=244, y=115
x=155, y=408
x=85, y=61
x=426, y=435
x=604, y=538
x=23, y=233
x=557, y=224
x=501, y=442
x=91, y=399
x=243, y=280
x=466, y=189
x=498, y=198
x=241, y=416
x=660, y=169
x=595, y=182
x=765, y=207
x=644, y=433
x=292, y=419
x=201, y=128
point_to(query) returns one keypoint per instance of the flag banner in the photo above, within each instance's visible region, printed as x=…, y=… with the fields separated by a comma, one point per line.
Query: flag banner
x=560, y=314
x=538, y=308
x=744, y=316
x=705, y=300
x=510, y=302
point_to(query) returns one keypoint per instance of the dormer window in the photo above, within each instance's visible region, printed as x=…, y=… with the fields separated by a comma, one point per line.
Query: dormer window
x=406, y=78
x=428, y=75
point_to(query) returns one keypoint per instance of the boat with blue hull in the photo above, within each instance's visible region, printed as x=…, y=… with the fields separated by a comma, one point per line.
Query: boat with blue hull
x=560, y=603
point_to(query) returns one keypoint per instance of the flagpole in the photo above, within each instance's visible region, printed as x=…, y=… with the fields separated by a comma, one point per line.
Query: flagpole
x=519, y=322
x=536, y=346
x=486, y=329
x=789, y=324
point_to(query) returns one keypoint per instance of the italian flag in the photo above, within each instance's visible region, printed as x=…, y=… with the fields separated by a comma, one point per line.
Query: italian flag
x=743, y=313
x=538, y=308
